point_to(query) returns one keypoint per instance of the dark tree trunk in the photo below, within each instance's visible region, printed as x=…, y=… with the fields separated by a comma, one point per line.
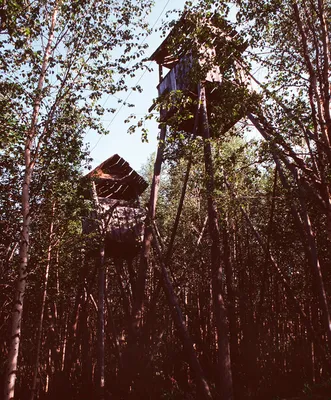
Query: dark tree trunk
x=202, y=385
x=101, y=326
x=86, y=353
x=224, y=380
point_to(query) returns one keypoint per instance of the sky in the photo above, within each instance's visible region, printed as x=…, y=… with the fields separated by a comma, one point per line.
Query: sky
x=130, y=146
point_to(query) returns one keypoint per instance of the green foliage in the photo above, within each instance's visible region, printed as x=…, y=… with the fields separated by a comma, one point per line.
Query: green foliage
x=58, y=59
x=272, y=353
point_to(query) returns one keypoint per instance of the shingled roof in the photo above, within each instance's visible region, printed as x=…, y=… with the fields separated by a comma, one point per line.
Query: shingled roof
x=115, y=179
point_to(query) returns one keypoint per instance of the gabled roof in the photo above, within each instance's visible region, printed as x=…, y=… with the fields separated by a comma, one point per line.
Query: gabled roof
x=171, y=49
x=164, y=54
x=115, y=179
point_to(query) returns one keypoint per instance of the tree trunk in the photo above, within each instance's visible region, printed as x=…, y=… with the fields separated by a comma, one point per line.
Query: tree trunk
x=20, y=287
x=41, y=319
x=184, y=187
x=86, y=351
x=305, y=229
x=132, y=350
x=9, y=387
x=101, y=326
x=224, y=360
x=179, y=322
x=228, y=269
x=283, y=280
x=137, y=307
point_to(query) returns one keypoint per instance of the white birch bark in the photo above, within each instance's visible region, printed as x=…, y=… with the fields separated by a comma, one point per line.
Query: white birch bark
x=30, y=159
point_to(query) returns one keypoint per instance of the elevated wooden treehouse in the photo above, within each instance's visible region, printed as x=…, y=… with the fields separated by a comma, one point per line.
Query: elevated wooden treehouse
x=117, y=188
x=211, y=57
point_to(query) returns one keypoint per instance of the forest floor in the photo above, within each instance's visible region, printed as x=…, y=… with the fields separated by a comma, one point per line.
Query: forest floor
x=320, y=391
x=309, y=397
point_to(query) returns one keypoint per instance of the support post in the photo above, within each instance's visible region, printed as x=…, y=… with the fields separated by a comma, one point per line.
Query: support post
x=137, y=308
x=224, y=381
x=101, y=298
x=101, y=324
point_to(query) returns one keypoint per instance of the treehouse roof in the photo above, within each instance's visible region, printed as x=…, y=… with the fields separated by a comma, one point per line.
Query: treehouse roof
x=115, y=179
x=163, y=54
x=171, y=49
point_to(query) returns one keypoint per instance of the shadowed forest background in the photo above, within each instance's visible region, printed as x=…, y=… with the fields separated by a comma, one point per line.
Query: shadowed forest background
x=228, y=295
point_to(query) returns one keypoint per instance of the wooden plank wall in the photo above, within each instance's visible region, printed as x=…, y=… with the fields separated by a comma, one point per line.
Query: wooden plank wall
x=126, y=223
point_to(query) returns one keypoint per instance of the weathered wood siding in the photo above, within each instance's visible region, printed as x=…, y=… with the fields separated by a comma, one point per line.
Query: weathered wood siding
x=178, y=77
x=126, y=223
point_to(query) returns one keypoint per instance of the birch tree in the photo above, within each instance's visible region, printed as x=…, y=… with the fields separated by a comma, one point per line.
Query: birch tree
x=59, y=54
